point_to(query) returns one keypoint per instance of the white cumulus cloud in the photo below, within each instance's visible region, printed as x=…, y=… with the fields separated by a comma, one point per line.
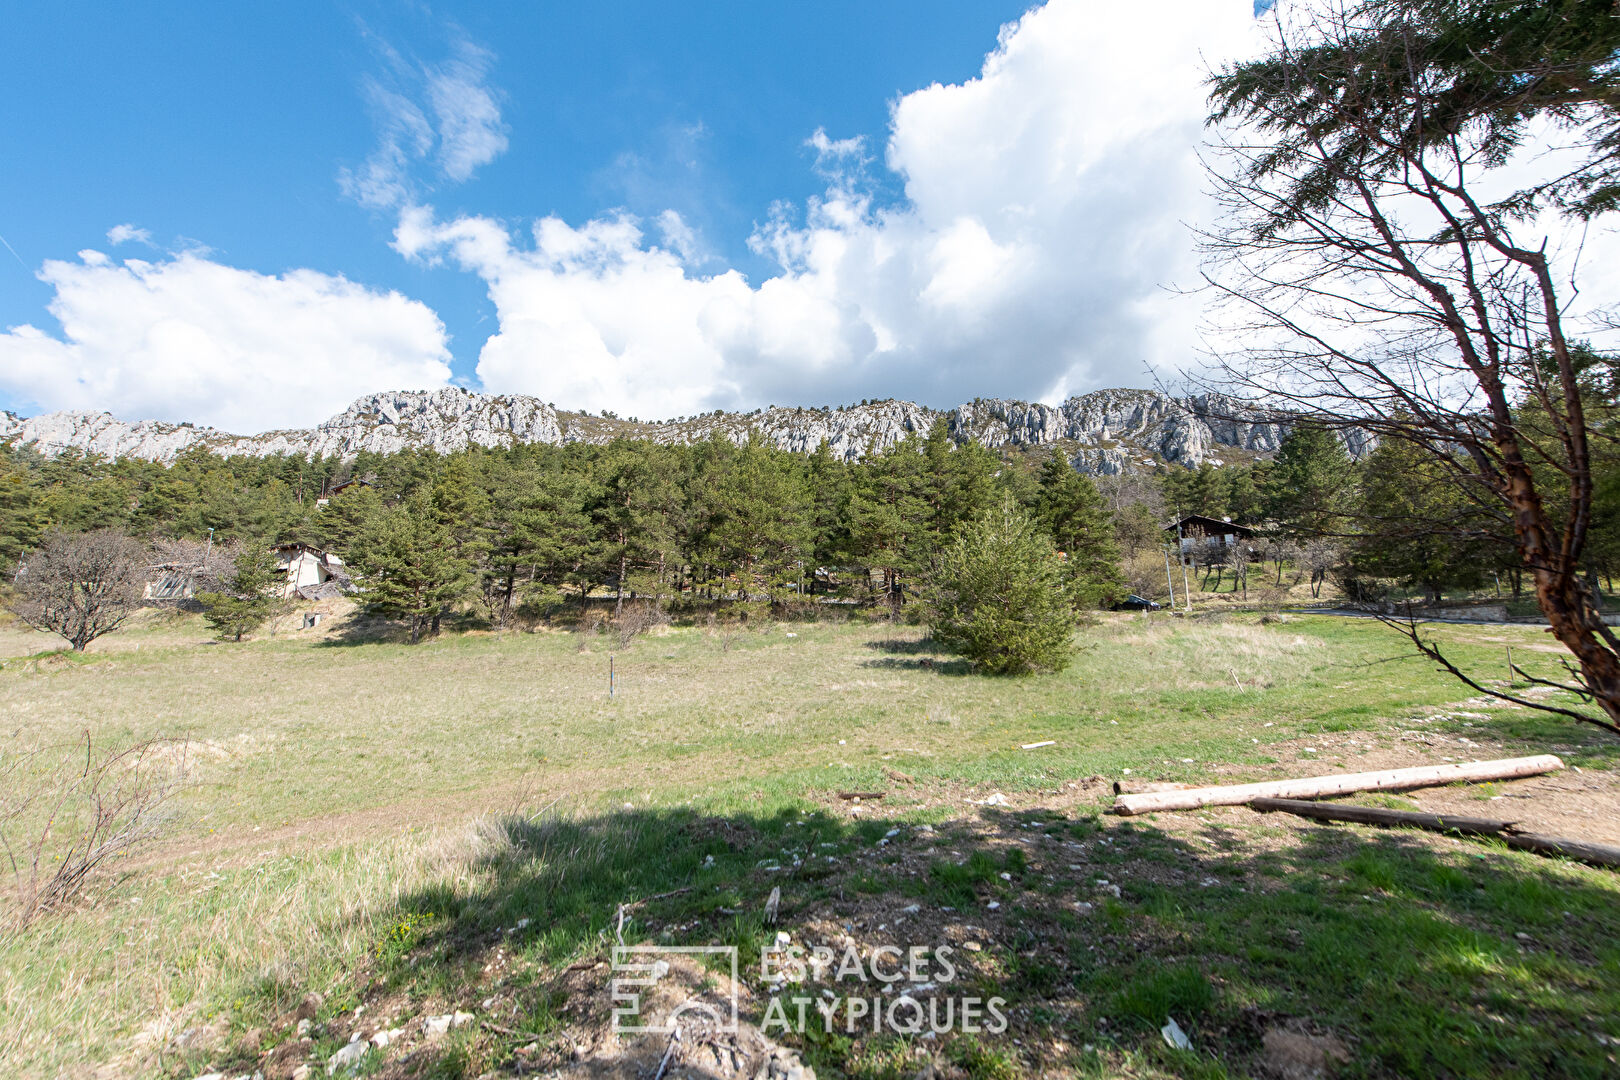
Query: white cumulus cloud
x=190, y=339
x=590, y=317
x=1043, y=216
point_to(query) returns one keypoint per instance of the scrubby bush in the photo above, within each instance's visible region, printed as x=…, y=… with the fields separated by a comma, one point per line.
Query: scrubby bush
x=999, y=597
x=67, y=813
x=636, y=618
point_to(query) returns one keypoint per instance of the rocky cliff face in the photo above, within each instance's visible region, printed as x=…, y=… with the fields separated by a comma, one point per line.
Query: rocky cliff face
x=1109, y=431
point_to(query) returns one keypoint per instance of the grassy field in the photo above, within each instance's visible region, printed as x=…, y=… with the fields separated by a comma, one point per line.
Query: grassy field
x=370, y=821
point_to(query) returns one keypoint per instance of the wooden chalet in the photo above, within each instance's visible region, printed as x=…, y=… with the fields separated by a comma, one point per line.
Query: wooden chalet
x=1195, y=529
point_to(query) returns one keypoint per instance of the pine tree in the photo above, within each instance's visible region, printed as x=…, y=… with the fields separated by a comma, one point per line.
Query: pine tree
x=634, y=514
x=999, y=596
x=891, y=515
x=830, y=490
x=1421, y=528
x=408, y=565
x=1310, y=484
x=462, y=508
x=1202, y=491
x=755, y=521
x=1071, y=510
x=346, y=517
x=22, y=515
x=249, y=597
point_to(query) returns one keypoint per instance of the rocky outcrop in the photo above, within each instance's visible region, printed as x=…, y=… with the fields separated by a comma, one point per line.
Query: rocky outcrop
x=850, y=432
x=1109, y=431
x=442, y=420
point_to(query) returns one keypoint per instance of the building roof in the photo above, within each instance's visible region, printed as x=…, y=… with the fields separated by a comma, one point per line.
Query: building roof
x=1218, y=526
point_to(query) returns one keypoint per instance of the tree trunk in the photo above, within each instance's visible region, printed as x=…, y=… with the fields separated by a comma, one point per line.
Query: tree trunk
x=434, y=632
x=416, y=628
x=1574, y=621
x=1571, y=612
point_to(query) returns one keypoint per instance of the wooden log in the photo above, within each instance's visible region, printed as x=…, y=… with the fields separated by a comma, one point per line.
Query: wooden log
x=1312, y=787
x=1600, y=854
x=1134, y=787
x=1370, y=815
x=1505, y=831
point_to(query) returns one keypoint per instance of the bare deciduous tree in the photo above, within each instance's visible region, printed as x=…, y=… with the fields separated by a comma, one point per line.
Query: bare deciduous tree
x=1397, y=283
x=1319, y=558
x=1236, y=557
x=1279, y=552
x=210, y=565
x=1211, y=556
x=81, y=585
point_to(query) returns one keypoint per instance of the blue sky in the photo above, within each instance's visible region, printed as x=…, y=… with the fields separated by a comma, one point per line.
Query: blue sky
x=804, y=204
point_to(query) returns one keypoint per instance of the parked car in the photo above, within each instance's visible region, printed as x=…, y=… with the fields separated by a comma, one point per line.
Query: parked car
x=1136, y=603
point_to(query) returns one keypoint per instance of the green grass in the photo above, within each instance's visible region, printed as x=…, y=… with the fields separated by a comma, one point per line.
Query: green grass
x=325, y=844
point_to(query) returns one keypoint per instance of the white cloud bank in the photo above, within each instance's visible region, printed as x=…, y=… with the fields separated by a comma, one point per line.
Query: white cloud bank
x=189, y=339
x=1044, y=211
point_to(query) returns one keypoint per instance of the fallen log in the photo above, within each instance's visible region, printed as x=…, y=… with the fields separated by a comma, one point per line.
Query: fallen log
x=1600, y=854
x=1312, y=787
x=1370, y=815
x=1132, y=787
x=1505, y=831
x=861, y=795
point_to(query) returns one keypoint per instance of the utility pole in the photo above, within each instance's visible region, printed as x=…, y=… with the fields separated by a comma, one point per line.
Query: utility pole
x=1181, y=557
x=207, y=550
x=1167, y=582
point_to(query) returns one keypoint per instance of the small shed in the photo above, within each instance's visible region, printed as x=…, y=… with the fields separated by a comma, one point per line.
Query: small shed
x=1195, y=529
x=312, y=574
x=338, y=489
x=170, y=583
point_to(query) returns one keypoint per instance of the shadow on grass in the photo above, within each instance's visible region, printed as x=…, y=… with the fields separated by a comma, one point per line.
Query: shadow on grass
x=366, y=630
x=923, y=654
x=1422, y=956
x=942, y=667
x=905, y=646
